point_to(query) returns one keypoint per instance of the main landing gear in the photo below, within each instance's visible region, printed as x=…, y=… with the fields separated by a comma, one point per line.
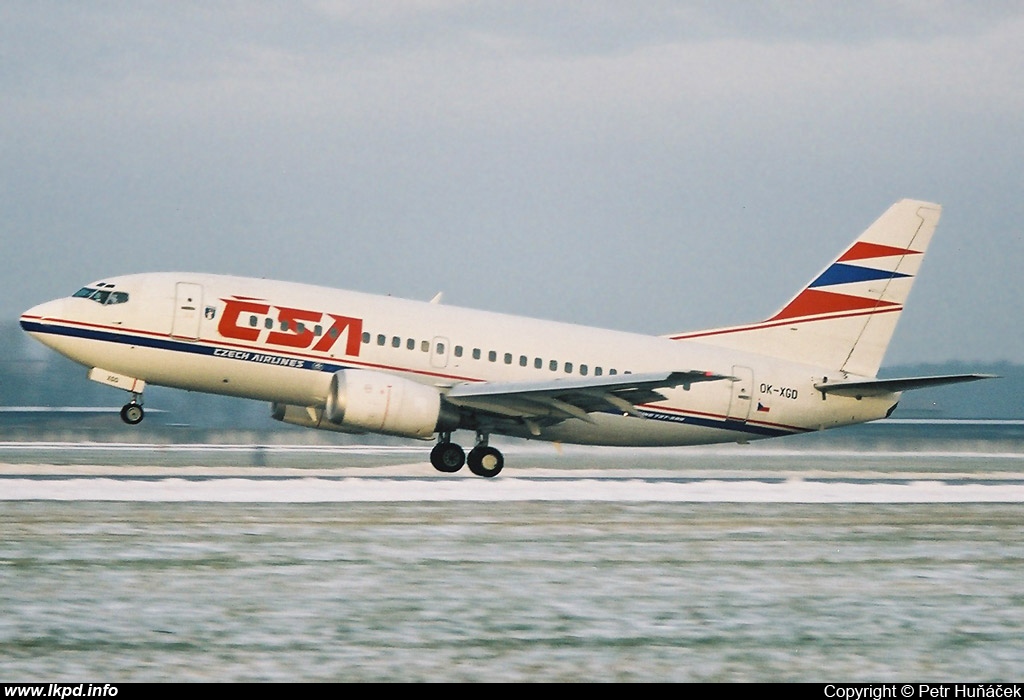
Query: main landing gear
x=483, y=460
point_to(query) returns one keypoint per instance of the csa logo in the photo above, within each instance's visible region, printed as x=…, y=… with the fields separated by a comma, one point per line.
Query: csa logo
x=292, y=328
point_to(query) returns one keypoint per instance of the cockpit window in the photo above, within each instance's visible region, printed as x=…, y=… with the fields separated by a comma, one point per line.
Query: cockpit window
x=102, y=296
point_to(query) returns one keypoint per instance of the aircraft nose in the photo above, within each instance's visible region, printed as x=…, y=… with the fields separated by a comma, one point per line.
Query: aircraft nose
x=33, y=318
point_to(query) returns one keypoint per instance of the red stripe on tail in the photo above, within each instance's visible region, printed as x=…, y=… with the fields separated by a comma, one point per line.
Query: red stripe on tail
x=812, y=302
x=863, y=251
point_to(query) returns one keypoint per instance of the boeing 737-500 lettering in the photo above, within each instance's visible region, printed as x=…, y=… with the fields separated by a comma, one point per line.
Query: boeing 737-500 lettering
x=360, y=363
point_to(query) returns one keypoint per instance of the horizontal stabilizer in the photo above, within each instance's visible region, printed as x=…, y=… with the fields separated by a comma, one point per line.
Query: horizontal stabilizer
x=880, y=387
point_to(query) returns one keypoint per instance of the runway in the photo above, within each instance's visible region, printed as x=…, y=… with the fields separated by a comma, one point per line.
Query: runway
x=152, y=563
x=369, y=473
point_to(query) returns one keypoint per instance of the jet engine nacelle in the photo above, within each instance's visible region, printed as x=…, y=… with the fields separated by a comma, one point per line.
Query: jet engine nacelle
x=365, y=401
x=307, y=417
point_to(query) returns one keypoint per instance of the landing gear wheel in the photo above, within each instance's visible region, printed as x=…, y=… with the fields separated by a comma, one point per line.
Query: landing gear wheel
x=485, y=461
x=447, y=457
x=132, y=413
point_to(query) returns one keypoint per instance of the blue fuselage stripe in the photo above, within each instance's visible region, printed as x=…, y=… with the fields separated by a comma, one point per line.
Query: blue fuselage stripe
x=718, y=424
x=263, y=357
x=192, y=347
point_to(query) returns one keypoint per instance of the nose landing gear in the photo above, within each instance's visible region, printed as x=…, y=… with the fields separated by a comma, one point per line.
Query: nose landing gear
x=131, y=412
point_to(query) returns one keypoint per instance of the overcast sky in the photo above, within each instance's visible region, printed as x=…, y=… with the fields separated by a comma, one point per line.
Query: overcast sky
x=645, y=166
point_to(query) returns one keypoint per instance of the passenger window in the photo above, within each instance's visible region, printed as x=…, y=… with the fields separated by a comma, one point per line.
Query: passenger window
x=598, y=371
x=538, y=363
x=476, y=353
x=458, y=351
x=522, y=360
x=492, y=356
x=553, y=365
x=440, y=348
x=381, y=339
x=366, y=337
x=568, y=368
x=613, y=371
x=318, y=331
x=268, y=324
x=253, y=321
x=396, y=342
x=425, y=346
x=410, y=344
x=583, y=370
x=508, y=358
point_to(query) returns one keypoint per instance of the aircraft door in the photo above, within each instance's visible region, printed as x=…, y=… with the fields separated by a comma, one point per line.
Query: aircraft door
x=742, y=393
x=439, y=352
x=188, y=302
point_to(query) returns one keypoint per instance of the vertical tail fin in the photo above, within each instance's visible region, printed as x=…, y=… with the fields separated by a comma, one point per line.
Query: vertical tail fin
x=845, y=318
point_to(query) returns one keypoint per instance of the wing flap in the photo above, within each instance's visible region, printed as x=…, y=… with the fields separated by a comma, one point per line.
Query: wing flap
x=573, y=397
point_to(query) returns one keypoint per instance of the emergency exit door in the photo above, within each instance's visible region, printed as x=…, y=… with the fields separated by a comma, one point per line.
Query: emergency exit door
x=742, y=393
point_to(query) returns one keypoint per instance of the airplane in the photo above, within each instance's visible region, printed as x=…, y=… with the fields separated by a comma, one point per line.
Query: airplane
x=359, y=363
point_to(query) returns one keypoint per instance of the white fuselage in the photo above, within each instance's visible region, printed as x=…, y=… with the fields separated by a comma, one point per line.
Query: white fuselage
x=282, y=342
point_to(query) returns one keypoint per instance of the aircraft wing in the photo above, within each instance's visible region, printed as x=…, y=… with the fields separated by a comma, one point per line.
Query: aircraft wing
x=880, y=387
x=572, y=397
